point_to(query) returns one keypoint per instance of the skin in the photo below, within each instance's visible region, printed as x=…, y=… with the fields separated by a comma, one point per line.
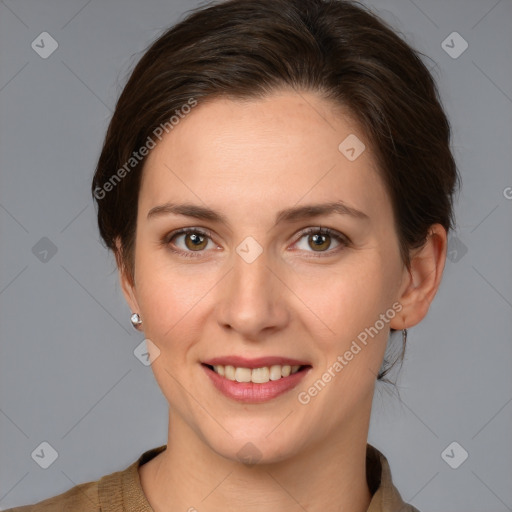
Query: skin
x=294, y=300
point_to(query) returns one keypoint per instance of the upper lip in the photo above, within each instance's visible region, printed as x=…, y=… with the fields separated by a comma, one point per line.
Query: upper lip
x=258, y=362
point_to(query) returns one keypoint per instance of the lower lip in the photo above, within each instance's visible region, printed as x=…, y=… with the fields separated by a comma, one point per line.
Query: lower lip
x=249, y=392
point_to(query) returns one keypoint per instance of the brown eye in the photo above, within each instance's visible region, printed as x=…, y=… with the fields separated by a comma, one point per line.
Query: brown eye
x=187, y=241
x=319, y=241
x=195, y=241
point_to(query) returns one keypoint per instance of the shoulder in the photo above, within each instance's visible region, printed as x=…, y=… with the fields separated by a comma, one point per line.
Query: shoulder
x=81, y=497
x=385, y=496
x=114, y=492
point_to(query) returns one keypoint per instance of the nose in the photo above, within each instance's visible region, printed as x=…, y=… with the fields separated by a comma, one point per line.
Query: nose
x=253, y=299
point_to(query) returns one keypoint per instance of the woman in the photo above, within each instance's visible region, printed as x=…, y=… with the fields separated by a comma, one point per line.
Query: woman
x=276, y=184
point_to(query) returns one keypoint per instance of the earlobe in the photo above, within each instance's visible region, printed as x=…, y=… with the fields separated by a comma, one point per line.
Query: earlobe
x=424, y=278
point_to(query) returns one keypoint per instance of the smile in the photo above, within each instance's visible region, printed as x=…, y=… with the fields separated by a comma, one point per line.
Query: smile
x=254, y=381
x=256, y=375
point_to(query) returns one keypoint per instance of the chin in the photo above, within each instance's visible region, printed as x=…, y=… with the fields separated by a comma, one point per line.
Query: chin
x=252, y=452
x=256, y=447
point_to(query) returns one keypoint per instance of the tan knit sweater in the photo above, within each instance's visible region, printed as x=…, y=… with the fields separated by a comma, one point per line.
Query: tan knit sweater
x=122, y=492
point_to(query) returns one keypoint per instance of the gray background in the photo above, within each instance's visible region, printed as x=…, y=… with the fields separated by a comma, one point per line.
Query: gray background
x=68, y=374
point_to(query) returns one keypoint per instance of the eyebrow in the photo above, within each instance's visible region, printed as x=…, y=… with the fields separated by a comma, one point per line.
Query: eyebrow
x=287, y=215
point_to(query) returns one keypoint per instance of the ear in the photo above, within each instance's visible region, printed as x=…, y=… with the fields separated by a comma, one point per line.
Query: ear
x=422, y=280
x=127, y=285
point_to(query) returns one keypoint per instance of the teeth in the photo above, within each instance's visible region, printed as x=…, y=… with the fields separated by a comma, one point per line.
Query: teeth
x=275, y=372
x=260, y=375
x=229, y=372
x=256, y=375
x=286, y=370
x=243, y=375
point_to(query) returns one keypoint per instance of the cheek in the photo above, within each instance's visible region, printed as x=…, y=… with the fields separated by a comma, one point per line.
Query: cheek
x=171, y=299
x=344, y=300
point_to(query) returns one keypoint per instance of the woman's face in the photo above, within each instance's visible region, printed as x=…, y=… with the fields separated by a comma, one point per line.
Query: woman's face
x=250, y=287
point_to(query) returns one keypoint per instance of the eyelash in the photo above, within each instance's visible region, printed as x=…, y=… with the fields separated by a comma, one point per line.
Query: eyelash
x=342, y=239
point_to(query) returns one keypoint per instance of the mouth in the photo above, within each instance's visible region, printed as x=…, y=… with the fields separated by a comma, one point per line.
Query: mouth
x=260, y=375
x=254, y=381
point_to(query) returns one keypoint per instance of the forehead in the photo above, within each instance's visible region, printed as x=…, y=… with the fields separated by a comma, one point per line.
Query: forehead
x=278, y=151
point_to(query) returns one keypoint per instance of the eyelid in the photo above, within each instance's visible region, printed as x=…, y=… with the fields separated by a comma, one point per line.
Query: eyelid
x=342, y=239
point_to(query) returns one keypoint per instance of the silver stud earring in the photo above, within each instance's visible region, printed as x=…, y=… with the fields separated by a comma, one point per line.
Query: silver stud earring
x=404, y=336
x=136, y=321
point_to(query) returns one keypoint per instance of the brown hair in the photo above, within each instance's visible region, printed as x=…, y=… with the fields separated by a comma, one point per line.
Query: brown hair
x=250, y=48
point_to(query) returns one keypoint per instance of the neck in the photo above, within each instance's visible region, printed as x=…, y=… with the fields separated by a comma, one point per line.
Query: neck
x=188, y=475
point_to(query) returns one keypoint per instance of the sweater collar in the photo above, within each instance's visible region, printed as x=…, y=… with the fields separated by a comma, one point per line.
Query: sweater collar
x=123, y=490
